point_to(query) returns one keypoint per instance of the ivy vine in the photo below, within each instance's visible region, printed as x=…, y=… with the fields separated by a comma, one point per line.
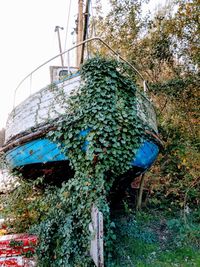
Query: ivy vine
x=100, y=135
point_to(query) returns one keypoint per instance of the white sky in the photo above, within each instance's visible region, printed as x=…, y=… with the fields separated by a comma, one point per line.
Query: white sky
x=27, y=40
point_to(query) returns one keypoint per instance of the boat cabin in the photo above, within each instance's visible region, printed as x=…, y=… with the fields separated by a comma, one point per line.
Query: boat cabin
x=58, y=73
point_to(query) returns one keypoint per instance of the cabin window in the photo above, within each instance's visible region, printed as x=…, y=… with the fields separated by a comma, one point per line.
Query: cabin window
x=63, y=73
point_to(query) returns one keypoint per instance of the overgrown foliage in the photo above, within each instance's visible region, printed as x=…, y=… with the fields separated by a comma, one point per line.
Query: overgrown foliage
x=165, y=48
x=22, y=207
x=100, y=136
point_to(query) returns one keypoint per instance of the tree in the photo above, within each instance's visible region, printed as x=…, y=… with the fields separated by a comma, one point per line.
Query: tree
x=122, y=25
x=165, y=49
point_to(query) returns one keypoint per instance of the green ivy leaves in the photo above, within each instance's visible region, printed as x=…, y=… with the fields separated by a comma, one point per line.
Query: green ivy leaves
x=104, y=107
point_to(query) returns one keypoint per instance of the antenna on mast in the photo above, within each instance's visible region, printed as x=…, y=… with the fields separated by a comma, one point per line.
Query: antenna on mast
x=57, y=28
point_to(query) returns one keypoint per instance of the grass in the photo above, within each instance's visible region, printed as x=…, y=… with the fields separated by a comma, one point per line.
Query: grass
x=184, y=257
x=152, y=240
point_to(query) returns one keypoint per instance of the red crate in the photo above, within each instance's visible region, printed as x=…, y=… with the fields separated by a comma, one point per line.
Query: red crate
x=13, y=250
x=17, y=261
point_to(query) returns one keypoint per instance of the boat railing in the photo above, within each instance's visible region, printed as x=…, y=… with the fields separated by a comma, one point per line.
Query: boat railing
x=29, y=76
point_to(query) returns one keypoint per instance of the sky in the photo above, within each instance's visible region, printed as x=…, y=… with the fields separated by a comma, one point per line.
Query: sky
x=28, y=39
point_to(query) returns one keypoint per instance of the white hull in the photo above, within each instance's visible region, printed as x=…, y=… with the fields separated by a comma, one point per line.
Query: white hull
x=40, y=108
x=50, y=103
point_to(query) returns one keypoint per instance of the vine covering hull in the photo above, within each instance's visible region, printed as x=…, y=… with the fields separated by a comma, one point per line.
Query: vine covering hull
x=49, y=104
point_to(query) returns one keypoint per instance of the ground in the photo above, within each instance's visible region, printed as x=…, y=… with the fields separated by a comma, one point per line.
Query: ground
x=156, y=238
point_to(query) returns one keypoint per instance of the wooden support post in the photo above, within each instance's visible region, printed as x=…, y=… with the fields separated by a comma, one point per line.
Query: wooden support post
x=139, y=200
x=96, y=228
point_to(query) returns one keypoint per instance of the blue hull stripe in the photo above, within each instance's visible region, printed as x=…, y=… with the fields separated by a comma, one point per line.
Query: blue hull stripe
x=145, y=155
x=37, y=151
x=44, y=150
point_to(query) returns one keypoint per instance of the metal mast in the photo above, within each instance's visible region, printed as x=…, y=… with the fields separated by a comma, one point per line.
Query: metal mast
x=85, y=31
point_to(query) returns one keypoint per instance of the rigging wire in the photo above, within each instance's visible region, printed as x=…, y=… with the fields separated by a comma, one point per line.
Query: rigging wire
x=89, y=26
x=93, y=22
x=93, y=28
x=67, y=28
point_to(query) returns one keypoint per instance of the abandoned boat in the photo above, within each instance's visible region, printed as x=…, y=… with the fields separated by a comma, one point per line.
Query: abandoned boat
x=27, y=147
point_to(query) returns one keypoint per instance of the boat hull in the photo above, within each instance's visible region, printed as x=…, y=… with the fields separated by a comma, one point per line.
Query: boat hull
x=28, y=148
x=43, y=151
